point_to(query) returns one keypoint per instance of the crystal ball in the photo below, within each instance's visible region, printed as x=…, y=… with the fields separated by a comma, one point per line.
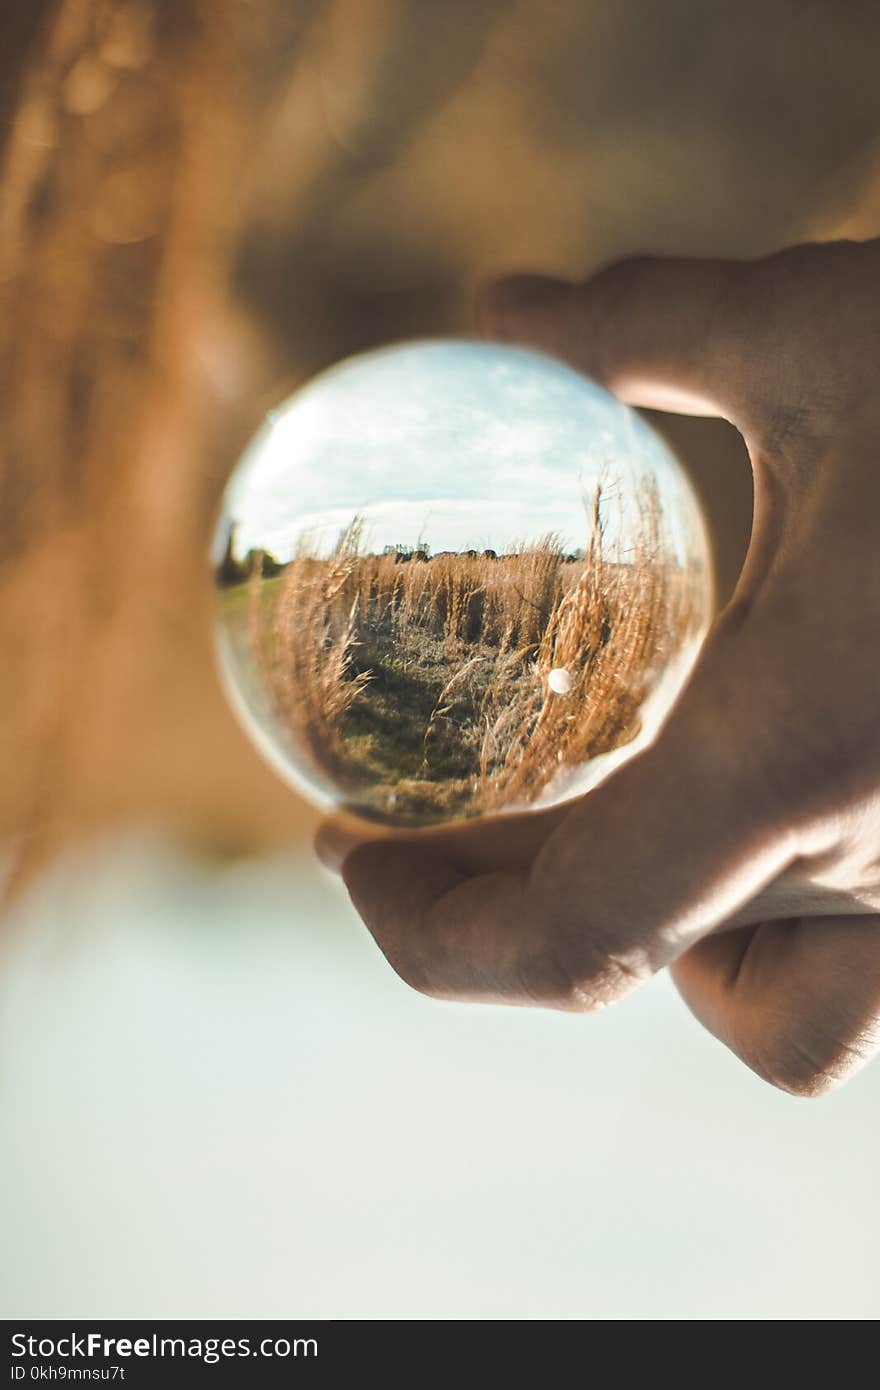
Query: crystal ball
x=454, y=579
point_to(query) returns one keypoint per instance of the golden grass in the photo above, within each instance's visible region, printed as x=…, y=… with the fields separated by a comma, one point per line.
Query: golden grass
x=421, y=687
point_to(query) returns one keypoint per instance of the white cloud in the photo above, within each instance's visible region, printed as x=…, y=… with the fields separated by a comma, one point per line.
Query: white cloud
x=464, y=444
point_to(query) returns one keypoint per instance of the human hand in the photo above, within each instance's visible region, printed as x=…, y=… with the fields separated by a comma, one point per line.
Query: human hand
x=742, y=849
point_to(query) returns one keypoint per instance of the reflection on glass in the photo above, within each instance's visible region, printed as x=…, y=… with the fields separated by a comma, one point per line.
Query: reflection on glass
x=455, y=578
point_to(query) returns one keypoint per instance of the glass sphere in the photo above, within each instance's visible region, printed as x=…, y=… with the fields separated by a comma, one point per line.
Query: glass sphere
x=453, y=579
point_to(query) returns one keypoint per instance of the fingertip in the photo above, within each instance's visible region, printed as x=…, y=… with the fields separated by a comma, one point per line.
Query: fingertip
x=336, y=839
x=357, y=860
x=330, y=847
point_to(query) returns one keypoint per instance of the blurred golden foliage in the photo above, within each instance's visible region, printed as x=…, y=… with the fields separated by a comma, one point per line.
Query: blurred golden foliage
x=206, y=200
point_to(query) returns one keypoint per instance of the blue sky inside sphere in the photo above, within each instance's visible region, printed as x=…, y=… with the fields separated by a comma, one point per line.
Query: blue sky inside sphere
x=456, y=446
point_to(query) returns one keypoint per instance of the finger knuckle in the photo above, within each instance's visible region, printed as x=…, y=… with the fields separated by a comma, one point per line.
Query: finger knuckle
x=587, y=972
x=809, y=314
x=800, y=1056
x=545, y=981
x=816, y=765
x=786, y=760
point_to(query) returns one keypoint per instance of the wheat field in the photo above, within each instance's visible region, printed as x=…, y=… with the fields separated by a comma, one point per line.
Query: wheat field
x=428, y=689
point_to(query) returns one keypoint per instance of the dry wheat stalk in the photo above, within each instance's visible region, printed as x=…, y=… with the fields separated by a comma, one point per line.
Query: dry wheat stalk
x=494, y=628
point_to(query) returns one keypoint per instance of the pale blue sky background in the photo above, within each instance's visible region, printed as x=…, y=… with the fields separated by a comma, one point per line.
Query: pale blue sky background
x=218, y=1100
x=464, y=445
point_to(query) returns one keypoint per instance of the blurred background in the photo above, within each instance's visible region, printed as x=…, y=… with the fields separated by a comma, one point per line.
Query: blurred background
x=215, y=1097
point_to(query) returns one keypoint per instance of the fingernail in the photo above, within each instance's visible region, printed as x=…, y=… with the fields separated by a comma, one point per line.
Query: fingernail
x=503, y=307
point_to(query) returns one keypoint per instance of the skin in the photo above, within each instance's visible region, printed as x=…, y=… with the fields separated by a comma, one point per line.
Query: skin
x=741, y=849
x=205, y=203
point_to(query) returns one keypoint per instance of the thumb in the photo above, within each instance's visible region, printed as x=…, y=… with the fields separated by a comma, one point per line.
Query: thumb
x=664, y=333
